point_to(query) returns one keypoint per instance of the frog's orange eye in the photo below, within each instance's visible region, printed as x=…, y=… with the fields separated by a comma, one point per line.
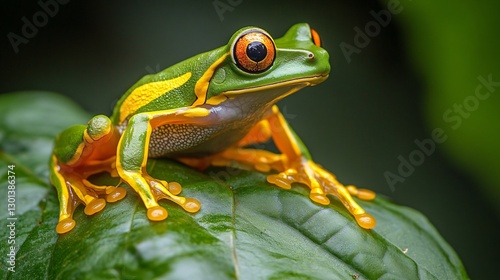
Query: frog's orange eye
x=315, y=38
x=254, y=52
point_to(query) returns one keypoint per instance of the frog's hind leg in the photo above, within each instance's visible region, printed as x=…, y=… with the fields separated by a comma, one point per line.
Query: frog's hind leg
x=300, y=168
x=67, y=203
x=294, y=165
x=80, y=152
x=72, y=192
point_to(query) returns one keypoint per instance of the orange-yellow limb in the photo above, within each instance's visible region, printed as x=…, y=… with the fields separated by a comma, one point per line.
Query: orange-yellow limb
x=294, y=166
x=71, y=178
x=73, y=189
x=132, y=156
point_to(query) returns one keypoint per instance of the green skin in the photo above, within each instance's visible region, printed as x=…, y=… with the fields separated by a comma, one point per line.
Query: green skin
x=290, y=63
x=202, y=111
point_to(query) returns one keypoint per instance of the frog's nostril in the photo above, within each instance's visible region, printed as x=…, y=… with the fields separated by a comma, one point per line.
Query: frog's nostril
x=311, y=55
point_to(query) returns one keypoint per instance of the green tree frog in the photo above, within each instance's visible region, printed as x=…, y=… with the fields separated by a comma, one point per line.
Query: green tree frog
x=202, y=111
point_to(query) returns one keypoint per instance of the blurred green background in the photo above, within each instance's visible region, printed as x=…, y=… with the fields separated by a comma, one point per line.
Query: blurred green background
x=394, y=81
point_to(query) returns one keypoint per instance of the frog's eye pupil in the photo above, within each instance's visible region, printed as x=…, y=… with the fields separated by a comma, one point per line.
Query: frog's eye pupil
x=256, y=51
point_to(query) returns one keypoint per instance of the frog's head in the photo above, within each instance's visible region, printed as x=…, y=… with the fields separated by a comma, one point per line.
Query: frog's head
x=253, y=63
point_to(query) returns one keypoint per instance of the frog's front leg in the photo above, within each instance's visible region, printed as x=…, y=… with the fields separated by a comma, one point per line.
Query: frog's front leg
x=132, y=157
x=295, y=166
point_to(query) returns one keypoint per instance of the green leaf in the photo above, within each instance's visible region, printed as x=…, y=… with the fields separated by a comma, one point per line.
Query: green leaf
x=246, y=229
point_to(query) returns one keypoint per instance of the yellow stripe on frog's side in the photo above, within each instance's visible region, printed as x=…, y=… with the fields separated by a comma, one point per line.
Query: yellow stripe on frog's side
x=150, y=91
x=201, y=87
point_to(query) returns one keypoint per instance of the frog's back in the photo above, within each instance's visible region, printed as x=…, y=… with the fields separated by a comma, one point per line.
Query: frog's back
x=170, y=88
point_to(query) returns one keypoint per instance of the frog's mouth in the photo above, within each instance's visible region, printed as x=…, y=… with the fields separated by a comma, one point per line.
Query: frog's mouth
x=271, y=92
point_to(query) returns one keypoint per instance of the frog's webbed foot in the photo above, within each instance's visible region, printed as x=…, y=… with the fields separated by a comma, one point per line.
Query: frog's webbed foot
x=74, y=189
x=322, y=183
x=80, y=191
x=152, y=190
